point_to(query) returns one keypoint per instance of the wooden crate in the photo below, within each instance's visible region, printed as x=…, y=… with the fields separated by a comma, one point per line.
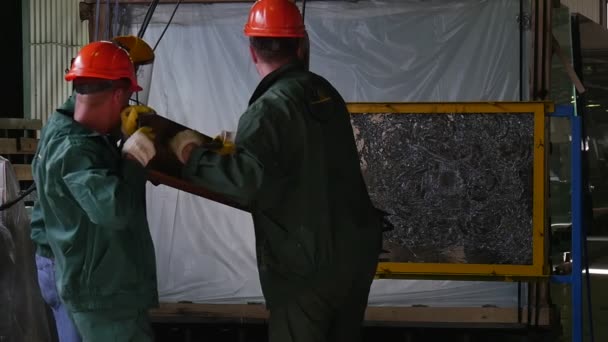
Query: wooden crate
x=18, y=142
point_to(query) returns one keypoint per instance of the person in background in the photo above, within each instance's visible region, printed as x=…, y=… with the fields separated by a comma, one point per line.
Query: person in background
x=296, y=167
x=89, y=223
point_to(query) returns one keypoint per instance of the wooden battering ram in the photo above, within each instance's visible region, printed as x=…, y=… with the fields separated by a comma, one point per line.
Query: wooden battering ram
x=166, y=169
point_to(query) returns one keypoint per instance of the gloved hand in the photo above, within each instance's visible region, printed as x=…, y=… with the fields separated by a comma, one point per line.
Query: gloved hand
x=140, y=146
x=129, y=117
x=226, y=139
x=183, y=139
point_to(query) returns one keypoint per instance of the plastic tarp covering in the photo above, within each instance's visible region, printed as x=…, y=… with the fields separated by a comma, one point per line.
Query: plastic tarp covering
x=465, y=50
x=23, y=314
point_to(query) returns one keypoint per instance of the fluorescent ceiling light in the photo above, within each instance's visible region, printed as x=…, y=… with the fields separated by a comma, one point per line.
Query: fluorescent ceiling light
x=602, y=271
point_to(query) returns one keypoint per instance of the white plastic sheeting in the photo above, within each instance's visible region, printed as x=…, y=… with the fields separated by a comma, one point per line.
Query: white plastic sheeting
x=23, y=313
x=451, y=50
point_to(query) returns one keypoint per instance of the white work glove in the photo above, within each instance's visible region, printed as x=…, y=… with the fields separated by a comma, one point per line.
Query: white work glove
x=140, y=146
x=183, y=139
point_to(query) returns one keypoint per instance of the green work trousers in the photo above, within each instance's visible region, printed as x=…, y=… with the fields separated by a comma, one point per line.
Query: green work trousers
x=310, y=318
x=113, y=326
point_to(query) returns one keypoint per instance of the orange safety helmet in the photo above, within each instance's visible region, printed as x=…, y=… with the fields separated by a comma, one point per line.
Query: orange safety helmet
x=105, y=60
x=275, y=18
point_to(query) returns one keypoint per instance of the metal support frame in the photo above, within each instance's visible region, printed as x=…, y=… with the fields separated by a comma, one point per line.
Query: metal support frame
x=541, y=49
x=575, y=279
x=538, y=269
x=27, y=59
x=183, y=1
x=582, y=216
x=603, y=19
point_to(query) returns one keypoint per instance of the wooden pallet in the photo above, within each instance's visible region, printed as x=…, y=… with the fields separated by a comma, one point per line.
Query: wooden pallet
x=18, y=143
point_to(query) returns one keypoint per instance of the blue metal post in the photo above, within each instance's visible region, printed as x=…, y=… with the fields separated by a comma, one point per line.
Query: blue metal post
x=577, y=229
x=563, y=111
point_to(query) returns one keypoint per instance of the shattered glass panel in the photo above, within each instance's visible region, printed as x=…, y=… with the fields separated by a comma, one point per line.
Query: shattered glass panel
x=458, y=187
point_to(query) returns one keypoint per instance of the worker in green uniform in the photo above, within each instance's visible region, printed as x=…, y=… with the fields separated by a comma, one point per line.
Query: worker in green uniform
x=141, y=54
x=91, y=208
x=296, y=167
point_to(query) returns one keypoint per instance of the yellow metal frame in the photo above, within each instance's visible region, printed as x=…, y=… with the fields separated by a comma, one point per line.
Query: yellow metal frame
x=538, y=268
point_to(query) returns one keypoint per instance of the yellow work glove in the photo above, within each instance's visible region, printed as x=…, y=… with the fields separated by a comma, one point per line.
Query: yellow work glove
x=226, y=138
x=227, y=147
x=129, y=117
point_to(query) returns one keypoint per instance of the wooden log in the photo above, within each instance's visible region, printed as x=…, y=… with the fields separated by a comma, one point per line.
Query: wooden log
x=23, y=172
x=8, y=146
x=15, y=123
x=397, y=316
x=12, y=146
x=28, y=145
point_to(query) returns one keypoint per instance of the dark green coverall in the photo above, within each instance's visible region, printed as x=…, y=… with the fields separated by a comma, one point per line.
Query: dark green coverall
x=91, y=217
x=318, y=236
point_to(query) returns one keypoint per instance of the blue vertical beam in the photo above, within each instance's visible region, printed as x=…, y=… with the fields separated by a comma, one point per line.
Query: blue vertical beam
x=563, y=111
x=577, y=229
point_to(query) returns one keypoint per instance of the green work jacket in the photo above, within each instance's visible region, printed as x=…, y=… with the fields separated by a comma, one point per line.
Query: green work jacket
x=296, y=167
x=91, y=217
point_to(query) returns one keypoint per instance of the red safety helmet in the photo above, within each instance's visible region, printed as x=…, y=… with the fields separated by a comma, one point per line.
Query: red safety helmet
x=275, y=18
x=104, y=60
